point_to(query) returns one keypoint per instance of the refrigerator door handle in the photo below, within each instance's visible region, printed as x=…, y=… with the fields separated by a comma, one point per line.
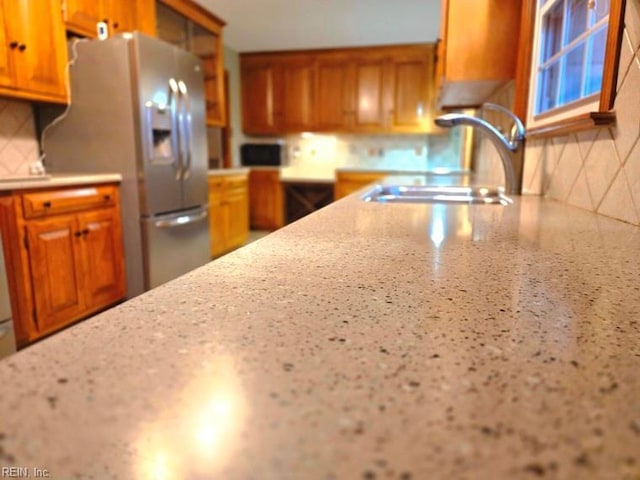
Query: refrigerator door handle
x=179, y=219
x=176, y=141
x=186, y=128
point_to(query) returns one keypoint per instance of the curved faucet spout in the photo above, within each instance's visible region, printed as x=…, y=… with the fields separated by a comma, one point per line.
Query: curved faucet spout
x=508, y=149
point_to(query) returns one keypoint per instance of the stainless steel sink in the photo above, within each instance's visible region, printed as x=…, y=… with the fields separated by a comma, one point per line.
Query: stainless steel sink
x=430, y=194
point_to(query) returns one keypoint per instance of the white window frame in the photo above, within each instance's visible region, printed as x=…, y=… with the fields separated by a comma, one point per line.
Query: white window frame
x=563, y=112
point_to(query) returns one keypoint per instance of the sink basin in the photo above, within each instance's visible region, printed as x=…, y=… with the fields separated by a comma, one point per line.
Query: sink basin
x=430, y=194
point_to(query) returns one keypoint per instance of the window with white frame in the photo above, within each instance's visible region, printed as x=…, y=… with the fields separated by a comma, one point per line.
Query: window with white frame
x=568, y=58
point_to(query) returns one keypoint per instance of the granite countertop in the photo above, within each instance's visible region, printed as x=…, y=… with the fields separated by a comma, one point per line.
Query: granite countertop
x=373, y=341
x=8, y=184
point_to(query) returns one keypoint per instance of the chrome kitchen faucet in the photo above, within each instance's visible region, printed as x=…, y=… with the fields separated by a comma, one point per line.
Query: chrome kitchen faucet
x=510, y=149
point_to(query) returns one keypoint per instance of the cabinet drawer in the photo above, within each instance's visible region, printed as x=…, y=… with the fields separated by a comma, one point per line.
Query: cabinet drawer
x=215, y=183
x=40, y=204
x=236, y=183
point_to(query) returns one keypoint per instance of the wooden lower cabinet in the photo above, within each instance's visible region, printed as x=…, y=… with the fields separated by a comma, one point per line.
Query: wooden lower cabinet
x=65, y=255
x=228, y=212
x=266, y=200
x=349, y=182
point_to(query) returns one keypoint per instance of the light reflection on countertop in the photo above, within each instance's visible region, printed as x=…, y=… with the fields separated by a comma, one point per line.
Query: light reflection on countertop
x=198, y=431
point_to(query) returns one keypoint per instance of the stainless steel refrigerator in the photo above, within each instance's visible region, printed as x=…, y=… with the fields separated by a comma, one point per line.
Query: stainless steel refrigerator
x=138, y=108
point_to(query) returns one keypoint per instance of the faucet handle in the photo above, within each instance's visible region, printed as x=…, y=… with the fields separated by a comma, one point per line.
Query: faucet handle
x=517, y=130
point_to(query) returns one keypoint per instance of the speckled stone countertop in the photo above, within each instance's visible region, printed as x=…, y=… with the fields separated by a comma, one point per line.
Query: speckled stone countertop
x=370, y=341
x=8, y=184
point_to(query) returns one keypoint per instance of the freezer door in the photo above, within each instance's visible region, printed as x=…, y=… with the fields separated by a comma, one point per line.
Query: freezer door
x=174, y=244
x=158, y=100
x=193, y=134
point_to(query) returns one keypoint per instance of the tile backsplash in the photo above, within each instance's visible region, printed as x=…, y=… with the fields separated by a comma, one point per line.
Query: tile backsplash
x=18, y=144
x=598, y=170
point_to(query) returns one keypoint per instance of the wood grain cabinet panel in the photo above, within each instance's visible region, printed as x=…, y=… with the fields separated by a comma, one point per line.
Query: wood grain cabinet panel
x=56, y=266
x=82, y=16
x=370, y=94
x=7, y=74
x=66, y=259
x=228, y=212
x=261, y=101
x=102, y=252
x=36, y=53
x=362, y=90
x=266, y=202
x=413, y=91
x=298, y=85
x=478, y=50
x=334, y=98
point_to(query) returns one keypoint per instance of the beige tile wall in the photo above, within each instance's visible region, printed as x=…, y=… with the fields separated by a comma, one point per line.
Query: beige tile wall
x=598, y=170
x=18, y=144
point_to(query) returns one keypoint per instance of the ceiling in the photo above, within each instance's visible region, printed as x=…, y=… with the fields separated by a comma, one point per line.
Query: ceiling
x=263, y=25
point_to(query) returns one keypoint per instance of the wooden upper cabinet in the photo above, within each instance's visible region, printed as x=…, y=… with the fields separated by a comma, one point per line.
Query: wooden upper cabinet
x=7, y=75
x=334, y=93
x=81, y=16
x=371, y=96
x=34, y=67
x=298, y=85
x=122, y=15
x=187, y=25
x=261, y=100
x=478, y=49
x=412, y=91
x=367, y=90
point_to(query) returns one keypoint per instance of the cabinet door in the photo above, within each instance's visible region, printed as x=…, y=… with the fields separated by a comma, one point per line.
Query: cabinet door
x=237, y=218
x=297, y=95
x=122, y=15
x=265, y=200
x=56, y=271
x=412, y=91
x=334, y=94
x=217, y=223
x=103, y=257
x=260, y=99
x=41, y=56
x=81, y=16
x=7, y=53
x=479, y=51
x=370, y=113
x=208, y=46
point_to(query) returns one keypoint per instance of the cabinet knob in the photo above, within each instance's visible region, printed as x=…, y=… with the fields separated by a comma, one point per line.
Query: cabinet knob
x=85, y=232
x=116, y=24
x=77, y=234
x=22, y=47
x=107, y=198
x=46, y=204
x=13, y=45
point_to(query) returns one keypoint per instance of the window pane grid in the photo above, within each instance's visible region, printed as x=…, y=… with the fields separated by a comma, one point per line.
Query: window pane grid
x=572, y=51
